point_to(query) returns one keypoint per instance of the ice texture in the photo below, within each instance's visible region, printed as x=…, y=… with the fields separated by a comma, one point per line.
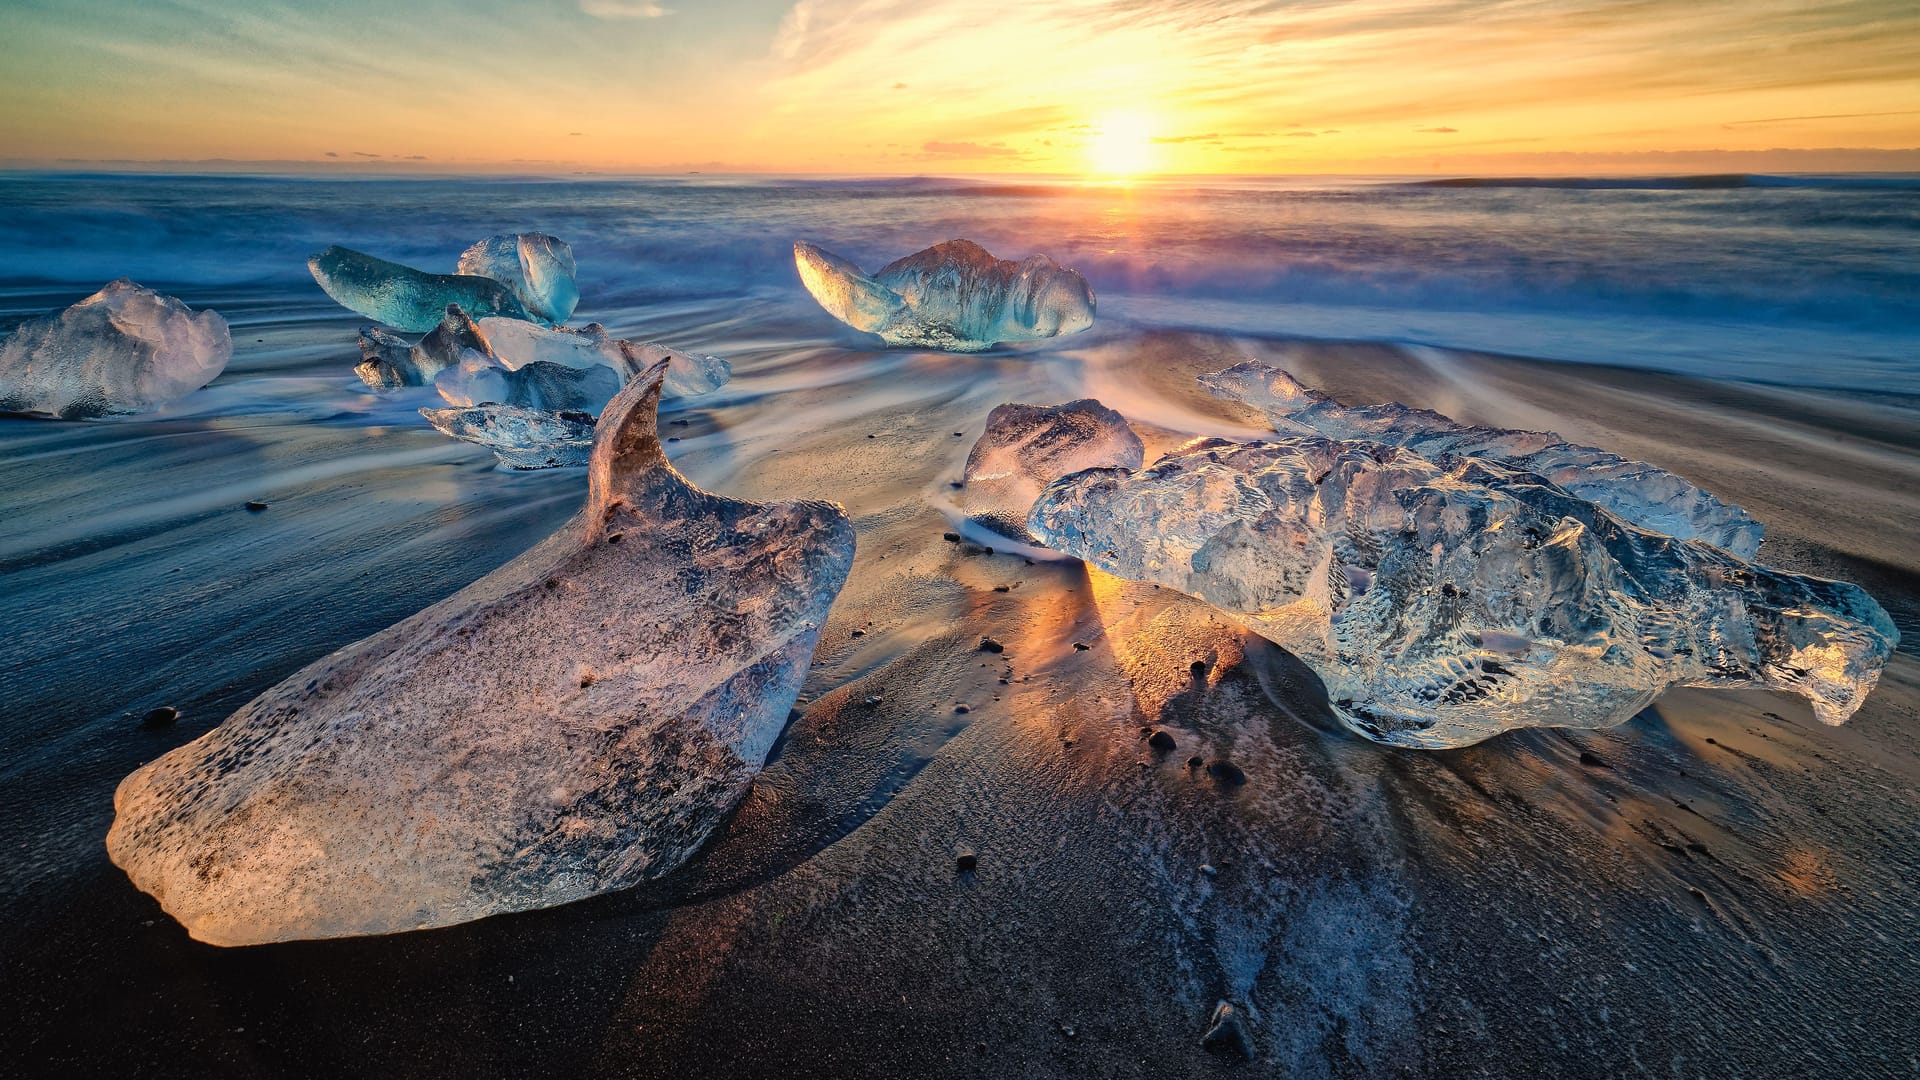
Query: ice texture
x=519, y=437
x=388, y=362
x=1639, y=493
x=517, y=344
x=953, y=296
x=405, y=298
x=125, y=349
x=575, y=722
x=1026, y=447
x=1444, y=603
x=478, y=379
x=537, y=267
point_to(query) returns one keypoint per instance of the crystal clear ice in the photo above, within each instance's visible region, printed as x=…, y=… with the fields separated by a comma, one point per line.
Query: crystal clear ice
x=125, y=349
x=1026, y=447
x=953, y=296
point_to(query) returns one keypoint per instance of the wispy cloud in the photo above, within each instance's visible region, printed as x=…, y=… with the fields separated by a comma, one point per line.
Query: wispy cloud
x=623, y=9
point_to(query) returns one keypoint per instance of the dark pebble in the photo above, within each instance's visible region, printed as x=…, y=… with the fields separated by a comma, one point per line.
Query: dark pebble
x=859, y=633
x=164, y=716
x=965, y=862
x=959, y=434
x=1226, y=772
x=1198, y=667
x=673, y=438
x=871, y=700
x=1194, y=762
x=955, y=484
x=1003, y=588
x=1160, y=740
x=1587, y=757
x=1081, y=646
x=871, y=436
x=987, y=644
x=256, y=505
x=961, y=709
x=951, y=538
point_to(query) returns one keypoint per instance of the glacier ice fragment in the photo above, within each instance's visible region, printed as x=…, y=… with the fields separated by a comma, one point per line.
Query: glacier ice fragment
x=537, y=267
x=517, y=344
x=388, y=362
x=1444, y=603
x=519, y=437
x=1026, y=447
x=125, y=349
x=575, y=722
x=405, y=298
x=1639, y=493
x=953, y=296
x=478, y=379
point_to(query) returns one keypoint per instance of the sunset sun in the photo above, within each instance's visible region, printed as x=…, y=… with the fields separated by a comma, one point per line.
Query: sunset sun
x=1121, y=144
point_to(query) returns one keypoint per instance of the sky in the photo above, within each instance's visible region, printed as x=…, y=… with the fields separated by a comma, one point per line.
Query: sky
x=1097, y=87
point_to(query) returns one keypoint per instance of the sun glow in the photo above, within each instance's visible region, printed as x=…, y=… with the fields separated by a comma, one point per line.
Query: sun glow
x=1121, y=144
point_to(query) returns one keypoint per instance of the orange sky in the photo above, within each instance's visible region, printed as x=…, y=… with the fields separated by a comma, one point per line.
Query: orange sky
x=917, y=86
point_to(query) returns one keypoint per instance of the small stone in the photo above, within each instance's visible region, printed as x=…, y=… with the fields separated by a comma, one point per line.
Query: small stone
x=965, y=862
x=164, y=716
x=1210, y=870
x=962, y=709
x=951, y=538
x=1226, y=772
x=870, y=435
x=1003, y=588
x=987, y=644
x=1160, y=740
x=1198, y=667
x=1227, y=1034
x=673, y=438
x=858, y=633
x=1194, y=762
x=1080, y=646
x=256, y=505
x=959, y=434
x=1590, y=758
x=871, y=700
x=955, y=485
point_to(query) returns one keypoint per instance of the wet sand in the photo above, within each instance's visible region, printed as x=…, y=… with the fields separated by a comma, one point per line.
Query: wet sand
x=1720, y=887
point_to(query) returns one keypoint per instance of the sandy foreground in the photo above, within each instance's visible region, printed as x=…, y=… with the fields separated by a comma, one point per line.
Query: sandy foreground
x=1720, y=887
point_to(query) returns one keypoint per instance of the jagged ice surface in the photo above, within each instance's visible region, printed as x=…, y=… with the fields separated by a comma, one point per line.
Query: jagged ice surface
x=1639, y=493
x=388, y=362
x=954, y=296
x=1442, y=604
x=125, y=349
x=517, y=344
x=479, y=380
x=575, y=722
x=521, y=438
x=1026, y=447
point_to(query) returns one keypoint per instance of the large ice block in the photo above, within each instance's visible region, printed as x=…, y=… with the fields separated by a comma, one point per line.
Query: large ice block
x=953, y=296
x=575, y=722
x=517, y=344
x=405, y=298
x=125, y=349
x=1642, y=494
x=388, y=362
x=537, y=267
x=1442, y=604
x=478, y=380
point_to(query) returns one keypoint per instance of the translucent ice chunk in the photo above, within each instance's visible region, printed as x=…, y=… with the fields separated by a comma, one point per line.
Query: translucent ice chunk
x=479, y=379
x=1642, y=494
x=537, y=267
x=1445, y=603
x=125, y=349
x=405, y=298
x=517, y=344
x=520, y=438
x=575, y=722
x=954, y=296
x=1027, y=447
x=388, y=362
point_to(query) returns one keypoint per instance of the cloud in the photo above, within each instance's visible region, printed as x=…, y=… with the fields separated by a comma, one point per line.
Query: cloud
x=623, y=9
x=968, y=150
x=1439, y=130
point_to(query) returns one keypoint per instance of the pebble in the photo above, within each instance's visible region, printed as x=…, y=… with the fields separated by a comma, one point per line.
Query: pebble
x=987, y=644
x=859, y=633
x=1003, y=588
x=1160, y=740
x=164, y=716
x=256, y=505
x=1198, y=667
x=962, y=709
x=951, y=538
x=1226, y=772
x=965, y=862
x=1194, y=762
x=1081, y=646
x=871, y=700
x=1590, y=758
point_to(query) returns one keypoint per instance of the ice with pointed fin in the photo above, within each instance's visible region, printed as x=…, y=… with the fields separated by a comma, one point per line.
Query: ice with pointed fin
x=575, y=722
x=125, y=349
x=1444, y=603
x=537, y=267
x=479, y=380
x=953, y=296
x=1637, y=492
x=1027, y=447
x=521, y=438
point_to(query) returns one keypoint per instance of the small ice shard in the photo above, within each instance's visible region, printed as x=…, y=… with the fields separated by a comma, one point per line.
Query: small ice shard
x=517, y=344
x=520, y=438
x=388, y=362
x=405, y=298
x=125, y=349
x=479, y=379
x=537, y=267
x=953, y=296
x=1442, y=604
x=575, y=722
x=1637, y=492
x=1027, y=447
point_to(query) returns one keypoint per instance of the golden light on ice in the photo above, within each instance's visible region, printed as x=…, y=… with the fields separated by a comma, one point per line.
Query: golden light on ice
x=1122, y=144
